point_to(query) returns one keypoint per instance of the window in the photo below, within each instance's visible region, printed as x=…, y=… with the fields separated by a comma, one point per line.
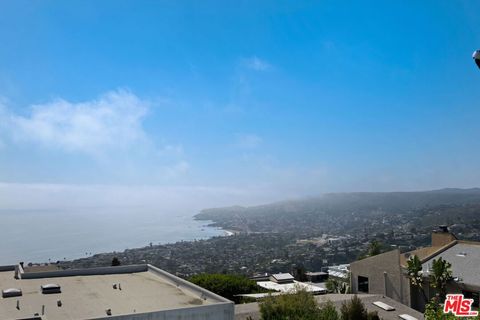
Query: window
x=363, y=284
x=472, y=295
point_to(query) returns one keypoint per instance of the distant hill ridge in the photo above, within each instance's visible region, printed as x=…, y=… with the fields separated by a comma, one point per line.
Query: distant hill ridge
x=346, y=203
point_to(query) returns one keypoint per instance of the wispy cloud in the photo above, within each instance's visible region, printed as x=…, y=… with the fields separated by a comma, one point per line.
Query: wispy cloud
x=109, y=130
x=248, y=141
x=175, y=170
x=257, y=64
x=4, y=116
x=171, y=150
x=113, y=121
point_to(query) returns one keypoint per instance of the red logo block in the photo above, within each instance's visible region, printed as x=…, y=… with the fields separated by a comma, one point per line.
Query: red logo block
x=459, y=306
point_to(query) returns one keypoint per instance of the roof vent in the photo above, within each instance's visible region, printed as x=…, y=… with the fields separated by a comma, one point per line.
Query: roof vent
x=51, y=288
x=11, y=292
x=461, y=254
x=383, y=306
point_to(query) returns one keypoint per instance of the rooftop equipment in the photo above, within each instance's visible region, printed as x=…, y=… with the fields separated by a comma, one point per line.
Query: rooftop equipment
x=51, y=288
x=383, y=306
x=11, y=292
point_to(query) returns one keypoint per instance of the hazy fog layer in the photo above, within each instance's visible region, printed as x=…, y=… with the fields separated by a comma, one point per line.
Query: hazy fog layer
x=41, y=222
x=164, y=199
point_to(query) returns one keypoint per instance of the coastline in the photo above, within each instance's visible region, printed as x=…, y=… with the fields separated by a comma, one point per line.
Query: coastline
x=83, y=234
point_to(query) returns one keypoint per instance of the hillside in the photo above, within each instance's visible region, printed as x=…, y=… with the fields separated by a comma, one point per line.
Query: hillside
x=312, y=213
x=313, y=232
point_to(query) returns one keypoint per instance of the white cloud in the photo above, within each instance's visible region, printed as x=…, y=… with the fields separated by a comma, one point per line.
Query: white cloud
x=113, y=121
x=3, y=120
x=171, y=149
x=248, y=141
x=176, y=170
x=109, y=130
x=257, y=64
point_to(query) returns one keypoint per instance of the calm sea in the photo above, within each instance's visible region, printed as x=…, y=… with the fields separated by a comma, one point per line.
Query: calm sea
x=51, y=235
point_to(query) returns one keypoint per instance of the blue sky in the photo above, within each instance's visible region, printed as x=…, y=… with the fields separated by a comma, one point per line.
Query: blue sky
x=283, y=97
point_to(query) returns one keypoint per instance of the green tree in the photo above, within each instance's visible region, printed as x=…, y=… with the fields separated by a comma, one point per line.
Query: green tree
x=354, y=309
x=115, y=262
x=433, y=311
x=440, y=276
x=415, y=275
x=296, y=306
x=227, y=285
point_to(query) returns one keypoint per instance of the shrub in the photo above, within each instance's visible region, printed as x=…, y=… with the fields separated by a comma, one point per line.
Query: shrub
x=373, y=315
x=354, y=310
x=296, y=306
x=227, y=285
x=434, y=311
x=328, y=312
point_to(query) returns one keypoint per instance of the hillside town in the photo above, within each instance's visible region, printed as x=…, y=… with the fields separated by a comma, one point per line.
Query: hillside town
x=239, y=160
x=380, y=280
x=311, y=249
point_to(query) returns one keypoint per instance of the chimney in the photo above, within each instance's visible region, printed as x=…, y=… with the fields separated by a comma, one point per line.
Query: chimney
x=443, y=228
x=442, y=236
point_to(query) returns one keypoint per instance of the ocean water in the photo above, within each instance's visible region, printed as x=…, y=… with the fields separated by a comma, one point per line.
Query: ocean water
x=51, y=235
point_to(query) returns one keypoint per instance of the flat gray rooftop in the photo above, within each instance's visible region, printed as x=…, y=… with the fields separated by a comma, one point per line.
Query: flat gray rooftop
x=89, y=296
x=465, y=259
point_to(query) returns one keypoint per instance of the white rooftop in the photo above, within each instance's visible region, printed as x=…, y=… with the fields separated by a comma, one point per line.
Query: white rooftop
x=145, y=289
x=291, y=287
x=340, y=271
x=282, y=276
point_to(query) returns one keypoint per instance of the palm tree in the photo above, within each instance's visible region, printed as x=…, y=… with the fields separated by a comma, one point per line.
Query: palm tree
x=338, y=285
x=374, y=248
x=415, y=274
x=440, y=276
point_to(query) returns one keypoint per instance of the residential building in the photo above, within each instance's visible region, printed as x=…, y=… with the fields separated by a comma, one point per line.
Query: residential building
x=285, y=283
x=317, y=277
x=386, y=273
x=340, y=272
